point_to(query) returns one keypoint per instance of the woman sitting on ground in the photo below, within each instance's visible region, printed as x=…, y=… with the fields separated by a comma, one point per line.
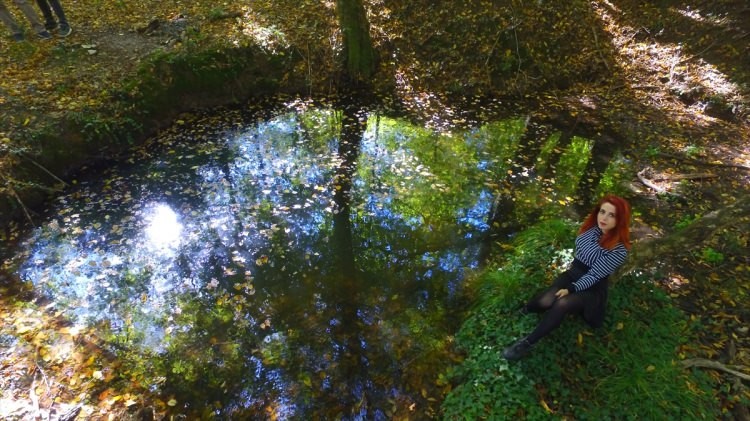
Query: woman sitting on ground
x=601, y=247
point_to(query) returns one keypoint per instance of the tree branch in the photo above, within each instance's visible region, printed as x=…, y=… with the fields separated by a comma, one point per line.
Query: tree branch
x=704, y=363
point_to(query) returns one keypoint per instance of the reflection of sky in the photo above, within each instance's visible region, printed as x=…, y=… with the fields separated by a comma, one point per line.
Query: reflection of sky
x=246, y=215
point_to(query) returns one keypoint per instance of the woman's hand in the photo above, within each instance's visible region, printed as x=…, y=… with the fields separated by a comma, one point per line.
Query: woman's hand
x=561, y=293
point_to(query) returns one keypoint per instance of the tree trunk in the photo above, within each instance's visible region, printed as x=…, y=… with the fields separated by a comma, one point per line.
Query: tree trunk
x=359, y=53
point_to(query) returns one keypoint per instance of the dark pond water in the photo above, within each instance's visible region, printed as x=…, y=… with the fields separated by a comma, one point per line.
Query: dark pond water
x=303, y=265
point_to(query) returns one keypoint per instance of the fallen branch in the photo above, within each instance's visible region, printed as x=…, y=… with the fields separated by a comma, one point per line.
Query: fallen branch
x=40, y=166
x=20, y=202
x=677, y=177
x=648, y=182
x=704, y=163
x=704, y=363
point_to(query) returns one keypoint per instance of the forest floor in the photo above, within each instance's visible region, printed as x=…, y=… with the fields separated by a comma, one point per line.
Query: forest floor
x=682, y=76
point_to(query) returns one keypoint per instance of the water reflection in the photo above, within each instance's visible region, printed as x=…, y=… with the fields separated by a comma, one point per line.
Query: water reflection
x=163, y=229
x=286, y=268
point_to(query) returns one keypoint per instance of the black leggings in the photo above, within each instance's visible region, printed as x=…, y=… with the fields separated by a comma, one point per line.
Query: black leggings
x=556, y=309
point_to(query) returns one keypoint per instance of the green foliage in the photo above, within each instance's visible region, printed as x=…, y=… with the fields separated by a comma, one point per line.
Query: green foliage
x=652, y=151
x=711, y=256
x=167, y=77
x=686, y=221
x=694, y=151
x=615, y=178
x=628, y=369
x=218, y=13
x=545, y=152
x=571, y=165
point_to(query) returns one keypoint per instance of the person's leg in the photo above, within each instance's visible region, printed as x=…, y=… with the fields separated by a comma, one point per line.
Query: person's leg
x=570, y=304
x=544, y=300
x=31, y=15
x=65, y=29
x=8, y=20
x=49, y=19
x=57, y=7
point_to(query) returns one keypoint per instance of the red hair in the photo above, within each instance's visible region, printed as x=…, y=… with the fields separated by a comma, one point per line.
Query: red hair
x=621, y=232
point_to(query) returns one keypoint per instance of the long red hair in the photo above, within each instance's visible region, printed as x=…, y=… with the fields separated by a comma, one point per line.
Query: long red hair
x=621, y=232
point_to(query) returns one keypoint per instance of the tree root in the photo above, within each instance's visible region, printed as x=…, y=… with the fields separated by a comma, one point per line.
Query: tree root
x=703, y=163
x=715, y=365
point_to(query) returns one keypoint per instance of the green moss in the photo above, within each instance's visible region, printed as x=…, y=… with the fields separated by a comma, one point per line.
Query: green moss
x=176, y=80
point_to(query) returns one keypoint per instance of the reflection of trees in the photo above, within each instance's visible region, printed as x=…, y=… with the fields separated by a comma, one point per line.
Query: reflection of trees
x=317, y=276
x=353, y=125
x=553, y=167
x=353, y=371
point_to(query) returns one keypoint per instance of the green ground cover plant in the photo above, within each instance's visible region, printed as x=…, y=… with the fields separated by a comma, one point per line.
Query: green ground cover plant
x=626, y=370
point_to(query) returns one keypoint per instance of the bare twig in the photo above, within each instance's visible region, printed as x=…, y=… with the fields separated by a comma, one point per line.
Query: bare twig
x=704, y=363
x=704, y=163
x=598, y=49
x=20, y=202
x=678, y=177
x=43, y=168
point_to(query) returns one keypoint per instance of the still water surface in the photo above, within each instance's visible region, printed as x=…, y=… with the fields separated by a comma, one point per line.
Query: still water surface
x=233, y=270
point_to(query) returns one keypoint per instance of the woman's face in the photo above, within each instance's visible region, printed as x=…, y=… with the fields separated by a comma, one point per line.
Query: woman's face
x=607, y=217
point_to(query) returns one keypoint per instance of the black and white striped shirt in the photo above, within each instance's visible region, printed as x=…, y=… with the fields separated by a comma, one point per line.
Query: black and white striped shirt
x=601, y=262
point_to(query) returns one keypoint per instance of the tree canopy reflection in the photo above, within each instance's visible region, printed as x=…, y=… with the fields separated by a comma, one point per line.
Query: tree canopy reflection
x=304, y=264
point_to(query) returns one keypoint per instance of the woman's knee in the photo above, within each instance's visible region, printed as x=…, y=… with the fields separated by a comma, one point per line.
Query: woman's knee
x=567, y=304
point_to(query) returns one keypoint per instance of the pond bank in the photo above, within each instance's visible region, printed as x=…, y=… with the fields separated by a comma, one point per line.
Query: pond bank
x=165, y=85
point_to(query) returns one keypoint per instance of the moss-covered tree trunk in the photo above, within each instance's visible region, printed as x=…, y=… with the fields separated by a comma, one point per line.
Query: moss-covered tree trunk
x=359, y=54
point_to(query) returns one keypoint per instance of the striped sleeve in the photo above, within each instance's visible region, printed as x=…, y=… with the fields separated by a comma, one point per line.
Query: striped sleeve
x=601, y=262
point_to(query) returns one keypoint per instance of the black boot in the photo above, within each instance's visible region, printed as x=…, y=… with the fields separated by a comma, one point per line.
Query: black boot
x=518, y=350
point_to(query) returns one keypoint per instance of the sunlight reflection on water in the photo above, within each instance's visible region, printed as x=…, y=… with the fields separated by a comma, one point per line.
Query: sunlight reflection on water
x=163, y=229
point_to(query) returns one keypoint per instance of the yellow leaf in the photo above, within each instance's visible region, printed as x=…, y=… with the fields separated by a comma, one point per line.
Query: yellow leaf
x=172, y=402
x=580, y=339
x=650, y=368
x=546, y=407
x=620, y=326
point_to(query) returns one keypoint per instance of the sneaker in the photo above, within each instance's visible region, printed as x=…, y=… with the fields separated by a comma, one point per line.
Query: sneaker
x=18, y=37
x=44, y=35
x=64, y=31
x=518, y=350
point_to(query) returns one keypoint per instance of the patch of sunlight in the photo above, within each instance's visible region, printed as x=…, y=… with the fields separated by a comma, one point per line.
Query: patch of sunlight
x=698, y=16
x=671, y=67
x=268, y=37
x=714, y=80
x=163, y=228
